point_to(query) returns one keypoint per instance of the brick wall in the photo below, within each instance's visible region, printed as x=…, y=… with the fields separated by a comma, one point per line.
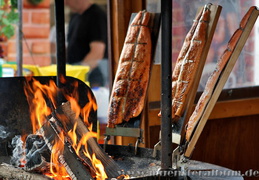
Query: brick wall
x=36, y=29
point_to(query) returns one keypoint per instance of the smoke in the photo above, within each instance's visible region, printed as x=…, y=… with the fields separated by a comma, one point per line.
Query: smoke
x=3, y=133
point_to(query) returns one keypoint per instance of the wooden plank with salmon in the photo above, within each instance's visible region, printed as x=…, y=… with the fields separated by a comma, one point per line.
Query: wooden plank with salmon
x=132, y=76
x=218, y=78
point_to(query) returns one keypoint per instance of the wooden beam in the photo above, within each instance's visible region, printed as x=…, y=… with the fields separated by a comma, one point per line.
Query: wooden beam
x=222, y=109
x=235, y=108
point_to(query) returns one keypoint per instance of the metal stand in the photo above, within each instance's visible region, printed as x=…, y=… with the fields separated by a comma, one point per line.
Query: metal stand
x=166, y=89
x=132, y=131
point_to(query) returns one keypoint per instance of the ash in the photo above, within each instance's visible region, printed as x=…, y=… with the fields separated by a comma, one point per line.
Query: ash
x=3, y=133
x=18, y=151
x=29, y=154
x=35, y=150
x=138, y=166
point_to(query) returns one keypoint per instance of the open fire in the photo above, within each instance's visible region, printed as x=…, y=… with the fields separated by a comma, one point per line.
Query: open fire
x=63, y=145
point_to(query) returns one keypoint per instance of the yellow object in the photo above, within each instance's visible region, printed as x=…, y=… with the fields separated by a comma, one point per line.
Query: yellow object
x=10, y=70
x=76, y=71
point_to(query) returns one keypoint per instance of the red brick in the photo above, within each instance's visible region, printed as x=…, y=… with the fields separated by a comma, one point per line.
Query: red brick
x=179, y=30
x=41, y=47
x=12, y=47
x=26, y=17
x=41, y=17
x=178, y=15
x=37, y=60
x=36, y=31
x=44, y=4
x=11, y=57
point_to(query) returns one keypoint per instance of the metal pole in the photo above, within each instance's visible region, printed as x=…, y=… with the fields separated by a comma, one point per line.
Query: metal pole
x=19, y=46
x=166, y=89
x=60, y=41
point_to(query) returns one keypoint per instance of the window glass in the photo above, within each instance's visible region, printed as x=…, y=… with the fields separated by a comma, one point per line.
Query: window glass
x=246, y=70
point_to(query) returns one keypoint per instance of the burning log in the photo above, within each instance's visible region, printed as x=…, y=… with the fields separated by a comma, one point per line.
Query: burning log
x=75, y=157
x=69, y=120
x=77, y=164
x=10, y=172
x=68, y=158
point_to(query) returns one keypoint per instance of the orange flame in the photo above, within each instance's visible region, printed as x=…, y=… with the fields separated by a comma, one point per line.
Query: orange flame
x=38, y=107
x=58, y=171
x=97, y=164
x=36, y=94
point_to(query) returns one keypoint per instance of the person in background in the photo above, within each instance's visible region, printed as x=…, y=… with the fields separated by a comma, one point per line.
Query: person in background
x=87, y=39
x=87, y=45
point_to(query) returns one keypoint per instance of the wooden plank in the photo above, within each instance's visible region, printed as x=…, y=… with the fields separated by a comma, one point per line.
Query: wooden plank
x=221, y=82
x=119, y=13
x=241, y=107
x=154, y=88
x=215, y=11
x=231, y=143
x=222, y=109
x=239, y=93
x=153, y=119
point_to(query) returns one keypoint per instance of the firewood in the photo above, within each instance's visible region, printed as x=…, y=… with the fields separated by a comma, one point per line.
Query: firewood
x=9, y=172
x=74, y=167
x=110, y=166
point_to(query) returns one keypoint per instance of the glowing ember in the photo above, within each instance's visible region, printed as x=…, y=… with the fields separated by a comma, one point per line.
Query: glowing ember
x=37, y=96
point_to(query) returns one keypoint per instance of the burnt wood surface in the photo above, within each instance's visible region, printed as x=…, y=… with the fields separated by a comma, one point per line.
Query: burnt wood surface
x=65, y=111
x=74, y=167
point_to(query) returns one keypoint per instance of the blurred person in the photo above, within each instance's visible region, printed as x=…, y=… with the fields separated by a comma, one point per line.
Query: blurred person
x=87, y=39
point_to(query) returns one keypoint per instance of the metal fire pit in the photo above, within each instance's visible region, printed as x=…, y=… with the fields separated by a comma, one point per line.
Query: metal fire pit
x=14, y=109
x=144, y=166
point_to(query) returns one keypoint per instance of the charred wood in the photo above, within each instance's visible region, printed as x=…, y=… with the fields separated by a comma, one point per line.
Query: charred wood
x=64, y=111
x=37, y=154
x=74, y=166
